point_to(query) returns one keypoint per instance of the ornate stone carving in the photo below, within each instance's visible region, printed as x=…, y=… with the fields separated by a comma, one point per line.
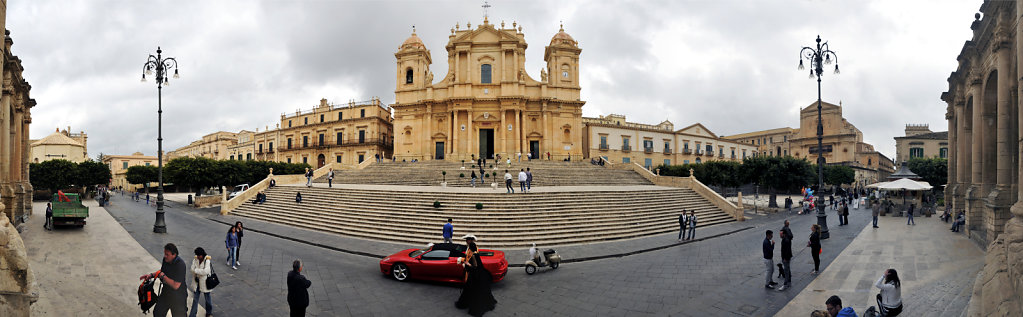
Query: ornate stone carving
x=16, y=278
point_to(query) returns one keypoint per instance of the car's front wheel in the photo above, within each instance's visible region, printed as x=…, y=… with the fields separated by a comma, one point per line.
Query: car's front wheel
x=400, y=272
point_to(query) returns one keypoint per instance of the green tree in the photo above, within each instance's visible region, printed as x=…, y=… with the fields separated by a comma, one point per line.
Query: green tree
x=931, y=170
x=778, y=174
x=191, y=172
x=141, y=175
x=53, y=174
x=836, y=174
x=92, y=173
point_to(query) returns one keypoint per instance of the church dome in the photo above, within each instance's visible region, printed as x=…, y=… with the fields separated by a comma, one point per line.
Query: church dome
x=563, y=37
x=413, y=42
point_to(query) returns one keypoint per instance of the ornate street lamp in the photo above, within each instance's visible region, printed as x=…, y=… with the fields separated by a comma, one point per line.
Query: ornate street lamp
x=161, y=66
x=818, y=58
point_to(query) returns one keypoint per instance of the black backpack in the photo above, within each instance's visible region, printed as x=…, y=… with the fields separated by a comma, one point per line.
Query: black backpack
x=147, y=294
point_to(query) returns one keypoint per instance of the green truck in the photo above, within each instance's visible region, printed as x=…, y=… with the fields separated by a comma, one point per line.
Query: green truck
x=69, y=212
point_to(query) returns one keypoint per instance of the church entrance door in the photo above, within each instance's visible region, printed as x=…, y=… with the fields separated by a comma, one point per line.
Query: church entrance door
x=487, y=143
x=439, y=152
x=534, y=149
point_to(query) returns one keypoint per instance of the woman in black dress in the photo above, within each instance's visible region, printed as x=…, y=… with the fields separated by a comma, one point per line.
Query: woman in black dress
x=476, y=295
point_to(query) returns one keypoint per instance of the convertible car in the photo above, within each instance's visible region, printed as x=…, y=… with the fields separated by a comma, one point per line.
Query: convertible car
x=439, y=262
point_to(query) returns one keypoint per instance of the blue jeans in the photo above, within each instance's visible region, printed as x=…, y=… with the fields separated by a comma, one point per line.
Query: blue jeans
x=195, y=303
x=875, y=221
x=522, y=186
x=232, y=256
x=692, y=232
x=910, y=219
x=529, y=184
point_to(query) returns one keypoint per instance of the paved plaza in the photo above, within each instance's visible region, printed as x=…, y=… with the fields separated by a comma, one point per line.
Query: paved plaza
x=720, y=274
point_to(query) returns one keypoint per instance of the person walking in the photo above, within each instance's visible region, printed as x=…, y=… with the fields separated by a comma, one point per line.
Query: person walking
x=330, y=177
x=529, y=180
x=692, y=225
x=472, y=179
x=815, y=246
x=845, y=215
x=519, y=154
x=522, y=181
x=448, y=232
x=201, y=269
x=909, y=215
x=889, y=301
x=231, y=242
x=174, y=294
x=507, y=182
x=240, y=231
x=298, y=290
x=786, y=255
x=49, y=217
x=874, y=213
x=683, y=221
x=308, y=177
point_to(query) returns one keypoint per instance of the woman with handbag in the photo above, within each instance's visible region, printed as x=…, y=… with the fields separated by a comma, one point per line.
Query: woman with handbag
x=202, y=268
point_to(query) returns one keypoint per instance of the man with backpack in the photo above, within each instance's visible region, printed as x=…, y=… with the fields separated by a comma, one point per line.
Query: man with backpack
x=174, y=291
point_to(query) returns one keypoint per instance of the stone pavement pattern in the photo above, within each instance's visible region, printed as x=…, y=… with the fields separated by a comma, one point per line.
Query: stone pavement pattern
x=91, y=271
x=721, y=276
x=935, y=265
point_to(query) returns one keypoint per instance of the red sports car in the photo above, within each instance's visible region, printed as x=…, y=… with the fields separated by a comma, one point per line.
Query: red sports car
x=439, y=262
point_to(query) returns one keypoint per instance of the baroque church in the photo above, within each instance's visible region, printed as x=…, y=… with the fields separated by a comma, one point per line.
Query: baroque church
x=486, y=104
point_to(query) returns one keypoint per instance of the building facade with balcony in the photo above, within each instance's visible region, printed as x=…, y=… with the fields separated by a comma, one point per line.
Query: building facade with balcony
x=920, y=142
x=119, y=165
x=348, y=133
x=212, y=146
x=616, y=140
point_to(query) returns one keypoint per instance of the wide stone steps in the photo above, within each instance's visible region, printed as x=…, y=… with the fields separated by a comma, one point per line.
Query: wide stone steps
x=507, y=220
x=428, y=173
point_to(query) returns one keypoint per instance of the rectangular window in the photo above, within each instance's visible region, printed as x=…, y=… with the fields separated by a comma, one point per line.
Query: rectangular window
x=321, y=118
x=321, y=139
x=271, y=147
x=710, y=149
x=485, y=73
x=647, y=163
x=339, y=116
x=362, y=157
x=916, y=152
x=626, y=160
x=232, y=157
x=305, y=141
x=339, y=159
x=625, y=142
x=289, y=123
x=305, y=159
x=147, y=163
x=124, y=165
x=667, y=162
x=362, y=136
x=248, y=156
x=260, y=148
x=289, y=143
x=685, y=145
x=603, y=141
x=648, y=145
x=339, y=139
x=289, y=160
x=362, y=113
x=685, y=162
x=306, y=120
x=667, y=146
x=943, y=152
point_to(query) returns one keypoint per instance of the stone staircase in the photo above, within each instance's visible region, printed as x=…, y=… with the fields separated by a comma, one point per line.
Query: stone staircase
x=428, y=173
x=506, y=220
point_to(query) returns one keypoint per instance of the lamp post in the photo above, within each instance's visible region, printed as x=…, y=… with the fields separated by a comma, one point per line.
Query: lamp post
x=161, y=66
x=818, y=58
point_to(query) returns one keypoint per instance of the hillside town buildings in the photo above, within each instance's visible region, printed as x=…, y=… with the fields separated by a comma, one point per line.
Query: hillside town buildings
x=843, y=143
x=62, y=145
x=920, y=142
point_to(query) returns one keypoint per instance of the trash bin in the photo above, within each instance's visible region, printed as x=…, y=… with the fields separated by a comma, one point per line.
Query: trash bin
x=189, y=199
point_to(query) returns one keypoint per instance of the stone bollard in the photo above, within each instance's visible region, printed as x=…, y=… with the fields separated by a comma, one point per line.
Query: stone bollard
x=739, y=201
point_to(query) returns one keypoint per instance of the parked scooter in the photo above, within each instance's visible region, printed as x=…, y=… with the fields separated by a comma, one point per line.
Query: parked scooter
x=549, y=258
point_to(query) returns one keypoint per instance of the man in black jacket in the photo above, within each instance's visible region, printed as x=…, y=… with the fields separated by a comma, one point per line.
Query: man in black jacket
x=298, y=290
x=769, y=260
x=786, y=255
x=682, y=223
x=175, y=285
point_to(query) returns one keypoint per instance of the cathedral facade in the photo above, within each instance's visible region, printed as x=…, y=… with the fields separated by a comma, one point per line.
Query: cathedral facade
x=486, y=104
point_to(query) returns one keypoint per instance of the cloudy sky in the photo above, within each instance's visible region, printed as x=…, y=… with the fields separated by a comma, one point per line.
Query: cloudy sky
x=729, y=64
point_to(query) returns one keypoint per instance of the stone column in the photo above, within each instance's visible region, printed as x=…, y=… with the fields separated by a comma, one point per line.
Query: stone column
x=469, y=129
x=503, y=129
x=974, y=196
x=451, y=134
x=950, y=190
x=431, y=148
x=1000, y=198
x=517, y=131
x=962, y=155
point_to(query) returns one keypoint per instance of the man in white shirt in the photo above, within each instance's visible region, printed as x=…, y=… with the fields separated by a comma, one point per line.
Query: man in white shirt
x=522, y=181
x=507, y=182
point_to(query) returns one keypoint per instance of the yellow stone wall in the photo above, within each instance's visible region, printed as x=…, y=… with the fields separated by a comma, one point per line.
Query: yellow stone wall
x=119, y=165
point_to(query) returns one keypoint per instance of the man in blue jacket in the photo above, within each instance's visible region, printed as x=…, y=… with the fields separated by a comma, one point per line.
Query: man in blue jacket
x=834, y=305
x=449, y=231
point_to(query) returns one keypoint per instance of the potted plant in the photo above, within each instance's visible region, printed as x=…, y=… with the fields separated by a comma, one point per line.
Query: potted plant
x=436, y=204
x=479, y=206
x=461, y=175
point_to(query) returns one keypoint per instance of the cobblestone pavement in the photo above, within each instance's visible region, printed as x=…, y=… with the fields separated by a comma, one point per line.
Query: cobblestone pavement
x=719, y=276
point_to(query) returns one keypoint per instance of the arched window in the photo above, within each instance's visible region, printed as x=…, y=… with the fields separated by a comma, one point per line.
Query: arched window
x=485, y=73
x=408, y=76
x=698, y=160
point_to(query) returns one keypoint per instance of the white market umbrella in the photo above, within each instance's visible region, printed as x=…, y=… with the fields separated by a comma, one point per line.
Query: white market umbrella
x=905, y=184
x=876, y=185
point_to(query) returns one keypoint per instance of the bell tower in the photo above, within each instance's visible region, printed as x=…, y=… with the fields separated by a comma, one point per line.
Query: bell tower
x=413, y=69
x=562, y=57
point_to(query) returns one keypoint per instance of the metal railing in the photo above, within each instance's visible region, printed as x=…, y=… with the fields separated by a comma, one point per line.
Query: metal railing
x=687, y=151
x=626, y=148
x=667, y=151
x=648, y=150
x=604, y=147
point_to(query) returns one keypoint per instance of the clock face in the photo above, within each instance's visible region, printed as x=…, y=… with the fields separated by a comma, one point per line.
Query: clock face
x=564, y=74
